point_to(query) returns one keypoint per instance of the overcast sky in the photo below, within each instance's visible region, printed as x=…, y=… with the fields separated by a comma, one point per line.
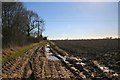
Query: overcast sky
x=77, y=20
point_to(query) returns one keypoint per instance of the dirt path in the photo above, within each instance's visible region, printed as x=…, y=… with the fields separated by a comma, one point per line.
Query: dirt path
x=35, y=65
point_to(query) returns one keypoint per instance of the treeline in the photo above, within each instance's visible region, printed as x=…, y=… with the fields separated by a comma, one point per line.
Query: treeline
x=19, y=25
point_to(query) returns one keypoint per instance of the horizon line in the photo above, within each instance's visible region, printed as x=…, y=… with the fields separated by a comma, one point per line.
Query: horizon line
x=85, y=38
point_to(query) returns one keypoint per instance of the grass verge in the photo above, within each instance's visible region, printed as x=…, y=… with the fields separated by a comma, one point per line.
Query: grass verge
x=21, y=51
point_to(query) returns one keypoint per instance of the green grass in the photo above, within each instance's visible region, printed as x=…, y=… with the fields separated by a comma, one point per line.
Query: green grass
x=21, y=51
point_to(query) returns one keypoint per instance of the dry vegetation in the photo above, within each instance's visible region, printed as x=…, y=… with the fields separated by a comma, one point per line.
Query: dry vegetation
x=9, y=55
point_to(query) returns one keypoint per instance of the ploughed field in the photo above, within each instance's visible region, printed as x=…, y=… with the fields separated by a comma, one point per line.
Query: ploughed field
x=105, y=51
x=51, y=62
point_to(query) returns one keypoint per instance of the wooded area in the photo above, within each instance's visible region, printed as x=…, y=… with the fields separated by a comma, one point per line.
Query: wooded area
x=19, y=25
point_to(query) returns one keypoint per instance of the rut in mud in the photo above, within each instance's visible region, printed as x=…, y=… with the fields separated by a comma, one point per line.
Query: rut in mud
x=35, y=64
x=46, y=63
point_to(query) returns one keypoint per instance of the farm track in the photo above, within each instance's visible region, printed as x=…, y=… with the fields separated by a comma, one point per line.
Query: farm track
x=35, y=65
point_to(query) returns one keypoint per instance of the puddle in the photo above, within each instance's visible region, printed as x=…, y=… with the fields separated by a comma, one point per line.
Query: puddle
x=64, y=58
x=53, y=58
x=50, y=54
x=105, y=69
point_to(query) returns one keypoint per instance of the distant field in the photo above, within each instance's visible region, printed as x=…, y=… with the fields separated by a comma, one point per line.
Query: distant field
x=104, y=50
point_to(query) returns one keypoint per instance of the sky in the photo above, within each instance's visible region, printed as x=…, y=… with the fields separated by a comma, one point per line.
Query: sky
x=66, y=0
x=77, y=20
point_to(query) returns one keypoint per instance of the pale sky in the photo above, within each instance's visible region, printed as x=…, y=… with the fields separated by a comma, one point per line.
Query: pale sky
x=77, y=20
x=67, y=0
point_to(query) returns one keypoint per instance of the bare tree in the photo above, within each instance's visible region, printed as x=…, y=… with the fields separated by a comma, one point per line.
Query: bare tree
x=11, y=23
x=18, y=24
x=32, y=17
x=40, y=26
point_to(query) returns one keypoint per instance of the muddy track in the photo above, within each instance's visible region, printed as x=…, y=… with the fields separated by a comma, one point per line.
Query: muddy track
x=36, y=65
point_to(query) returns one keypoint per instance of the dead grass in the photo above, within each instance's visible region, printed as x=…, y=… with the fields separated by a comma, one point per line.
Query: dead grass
x=21, y=51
